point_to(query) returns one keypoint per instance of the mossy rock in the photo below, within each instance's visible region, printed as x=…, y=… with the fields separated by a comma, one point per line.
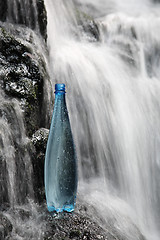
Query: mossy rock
x=22, y=77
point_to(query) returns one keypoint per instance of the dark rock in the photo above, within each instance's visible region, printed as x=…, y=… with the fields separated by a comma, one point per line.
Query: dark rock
x=74, y=233
x=3, y=10
x=42, y=18
x=39, y=139
x=3, y=185
x=23, y=77
x=75, y=226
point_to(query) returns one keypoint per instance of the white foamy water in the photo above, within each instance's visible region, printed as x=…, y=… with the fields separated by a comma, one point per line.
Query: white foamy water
x=113, y=92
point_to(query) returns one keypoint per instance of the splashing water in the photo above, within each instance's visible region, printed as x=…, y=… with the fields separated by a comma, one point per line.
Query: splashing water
x=114, y=89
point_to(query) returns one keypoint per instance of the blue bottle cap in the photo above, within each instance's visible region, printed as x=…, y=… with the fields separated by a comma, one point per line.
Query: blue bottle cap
x=60, y=87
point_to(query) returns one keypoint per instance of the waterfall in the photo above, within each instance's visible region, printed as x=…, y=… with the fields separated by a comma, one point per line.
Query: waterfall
x=108, y=54
x=113, y=99
x=16, y=164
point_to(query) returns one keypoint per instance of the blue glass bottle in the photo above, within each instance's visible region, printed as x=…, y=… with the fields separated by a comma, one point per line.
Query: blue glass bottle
x=60, y=159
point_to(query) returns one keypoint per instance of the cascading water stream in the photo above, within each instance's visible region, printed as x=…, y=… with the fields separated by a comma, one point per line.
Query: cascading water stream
x=115, y=106
x=16, y=164
x=24, y=12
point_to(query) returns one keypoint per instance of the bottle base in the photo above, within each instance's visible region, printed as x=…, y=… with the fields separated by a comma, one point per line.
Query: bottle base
x=66, y=208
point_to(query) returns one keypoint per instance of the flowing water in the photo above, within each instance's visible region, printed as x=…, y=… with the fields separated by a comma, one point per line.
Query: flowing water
x=113, y=85
x=23, y=12
x=13, y=162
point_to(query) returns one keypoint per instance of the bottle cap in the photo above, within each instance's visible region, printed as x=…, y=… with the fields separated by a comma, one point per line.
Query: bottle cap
x=60, y=87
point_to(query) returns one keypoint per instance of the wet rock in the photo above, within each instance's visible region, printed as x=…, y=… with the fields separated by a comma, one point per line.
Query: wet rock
x=5, y=227
x=39, y=140
x=66, y=226
x=3, y=10
x=22, y=214
x=22, y=76
x=118, y=230
x=75, y=226
x=3, y=185
x=88, y=26
x=42, y=18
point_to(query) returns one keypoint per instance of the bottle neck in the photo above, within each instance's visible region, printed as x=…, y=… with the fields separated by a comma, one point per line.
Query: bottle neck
x=60, y=93
x=60, y=97
x=59, y=105
x=60, y=88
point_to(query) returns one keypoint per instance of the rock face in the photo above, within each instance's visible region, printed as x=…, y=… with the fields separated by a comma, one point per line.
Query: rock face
x=39, y=140
x=23, y=101
x=22, y=76
x=42, y=18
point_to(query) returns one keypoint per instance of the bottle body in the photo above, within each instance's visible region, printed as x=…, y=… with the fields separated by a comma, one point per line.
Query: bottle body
x=60, y=160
